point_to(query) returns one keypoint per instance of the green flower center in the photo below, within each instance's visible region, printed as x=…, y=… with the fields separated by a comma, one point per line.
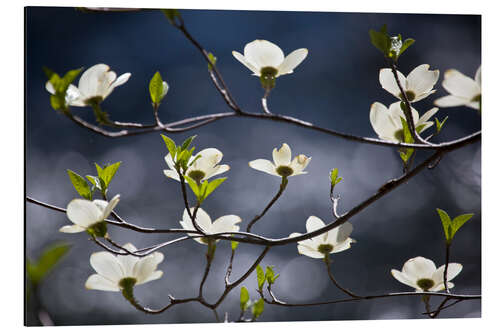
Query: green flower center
x=98, y=229
x=196, y=175
x=93, y=101
x=127, y=283
x=409, y=94
x=425, y=284
x=399, y=135
x=284, y=171
x=268, y=72
x=325, y=248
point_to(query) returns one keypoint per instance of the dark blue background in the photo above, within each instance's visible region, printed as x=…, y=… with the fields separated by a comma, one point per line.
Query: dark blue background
x=334, y=87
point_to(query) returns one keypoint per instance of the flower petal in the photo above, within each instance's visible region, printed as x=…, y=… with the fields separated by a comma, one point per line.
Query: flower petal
x=291, y=61
x=306, y=248
x=426, y=116
x=262, y=53
x=153, y=276
x=50, y=87
x=107, y=265
x=419, y=268
x=382, y=122
x=314, y=223
x=216, y=171
x=90, y=81
x=282, y=156
x=440, y=286
x=421, y=80
x=404, y=278
x=110, y=206
x=244, y=61
x=128, y=261
x=453, y=270
x=345, y=245
x=299, y=163
x=226, y=223
x=172, y=174
x=71, y=229
x=145, y=267
x=83, y=212
x=477, y=77
x=387, y=81
x=460, y=85
x=264, y=165
x=450, y=100
x=98, y=282
x=343, y=232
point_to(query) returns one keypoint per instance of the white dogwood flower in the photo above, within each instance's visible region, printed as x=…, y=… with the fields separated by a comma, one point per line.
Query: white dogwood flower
x=418, y=85
x=421, y=273
x=113, y=272
x=265, y=58
x=95, y=84
x=226, y=223
x=463, y=90
x=85, y=213
x=283, y=165
x=387, y=122
x=203, y=167
x=333, y=241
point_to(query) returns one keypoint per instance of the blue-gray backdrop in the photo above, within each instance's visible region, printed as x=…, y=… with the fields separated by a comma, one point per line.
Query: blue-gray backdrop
x=334, y=87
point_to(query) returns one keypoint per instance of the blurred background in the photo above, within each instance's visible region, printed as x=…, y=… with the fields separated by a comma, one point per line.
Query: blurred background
x=334, y=87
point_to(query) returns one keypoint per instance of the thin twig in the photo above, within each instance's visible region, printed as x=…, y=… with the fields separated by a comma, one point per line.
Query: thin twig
x=332, y=278
x=283, y=184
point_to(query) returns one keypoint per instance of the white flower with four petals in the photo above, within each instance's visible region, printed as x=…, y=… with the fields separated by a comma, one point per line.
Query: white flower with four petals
x=333, y=241
x=226, y=223
x=421, y=273
x=283, y=165
x=111, y=269
x=85, y=213
x=463, y=90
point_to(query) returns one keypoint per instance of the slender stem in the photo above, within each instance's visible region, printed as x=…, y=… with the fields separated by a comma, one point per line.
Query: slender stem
x=332, y=278
x=210, y=257
x=445, y=273
x=284, y=182
x=426, y=299
x=264, y=101
x=229, y=268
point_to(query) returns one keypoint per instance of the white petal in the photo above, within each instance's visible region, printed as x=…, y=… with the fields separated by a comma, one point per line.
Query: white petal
x=89, y=82
x=50, y=88
x=422, y=96
x=83, y=212
x=314, y=223
x=474, y=105
x=387, y=81
x=170, y=161
x=123, y=79
x=426, y=116
x=282, y=156
x=340, y=234
x=209, y=157
x=128, y=261
x=110, y=206
x=97, y=282
x=71, y=229
x=421, y=80
x=291, y=61
x=477, y=77
x=216, y=171
x=265, y=166
x=172, y=174
x=244, y=61
x=403, y=278
x=345, y=245
x=226, y=223
x=107, y=265
x=453, y=270
x=202, y=219
x=153, y=276
x=262, y=53
x=146, y=266
x=440, y=286
x=419, y=268
x=306, y=248
x=299, y=163
x=74, y=97
x=460, y=85
x=382, y=122
x=450, y=100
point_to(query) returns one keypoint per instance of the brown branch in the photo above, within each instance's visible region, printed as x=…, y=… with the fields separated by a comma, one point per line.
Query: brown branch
x=284, y=182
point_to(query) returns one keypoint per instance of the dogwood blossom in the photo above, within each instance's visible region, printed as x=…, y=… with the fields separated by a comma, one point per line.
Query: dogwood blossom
x=333, y=241
x=265, y=58
x=421, y=274
x=387, y=122
x=226, y=223
x=95, y=84
x=205, y=165
x=85, y=213
x=114, y=271
x=283, y=165
x=463, y=90
x=417, y=85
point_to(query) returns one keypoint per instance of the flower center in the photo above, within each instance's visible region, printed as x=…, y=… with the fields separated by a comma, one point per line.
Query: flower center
x=425, y=284
x=476, y=98
x=98, y=229
x=325, y=248
x=268, y=72
x=127, y=283
x=96, y=100
x=399, y=135
x=196, y=175
x=409, y=94
x=284, y=171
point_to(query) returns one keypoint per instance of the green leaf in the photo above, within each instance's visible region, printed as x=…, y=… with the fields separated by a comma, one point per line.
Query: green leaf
x=109, y=172
x=194, y=187
x=68, y=78
x=172, y=148
x=270, y=274
x=156, y=88
x=80, y=184
x=187, y=142
x=171, y=14
x=446, y=222
x=234, y=245
x=96, y=182
x=333, y=176
x=213, y=185
x=458, y=222
x=405, y=153
x=439, y=125
x=244, y=298
x=212, y=62
x=261, y=277
x=406, y=44
x=258, y=308
x=380, y=39
x=49, y=258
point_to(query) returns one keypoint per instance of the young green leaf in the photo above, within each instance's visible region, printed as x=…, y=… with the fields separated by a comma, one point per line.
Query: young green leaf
x=270, y=277
x=49, y=258
x=234, y=245
x=261, y=277
x=109, y=172
x=156, y=88
x=187, y=142
x=458, y=222
x=96, y=182
x=244, y=298
x=213, y=185
x=446, y=222
x=380, y=40
x=194, y=187
x=80, y=185
x=258, y=308
x=172, y=148
x=212, y=62
x=406, y=44
x=439, y=125
x=405, y=153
